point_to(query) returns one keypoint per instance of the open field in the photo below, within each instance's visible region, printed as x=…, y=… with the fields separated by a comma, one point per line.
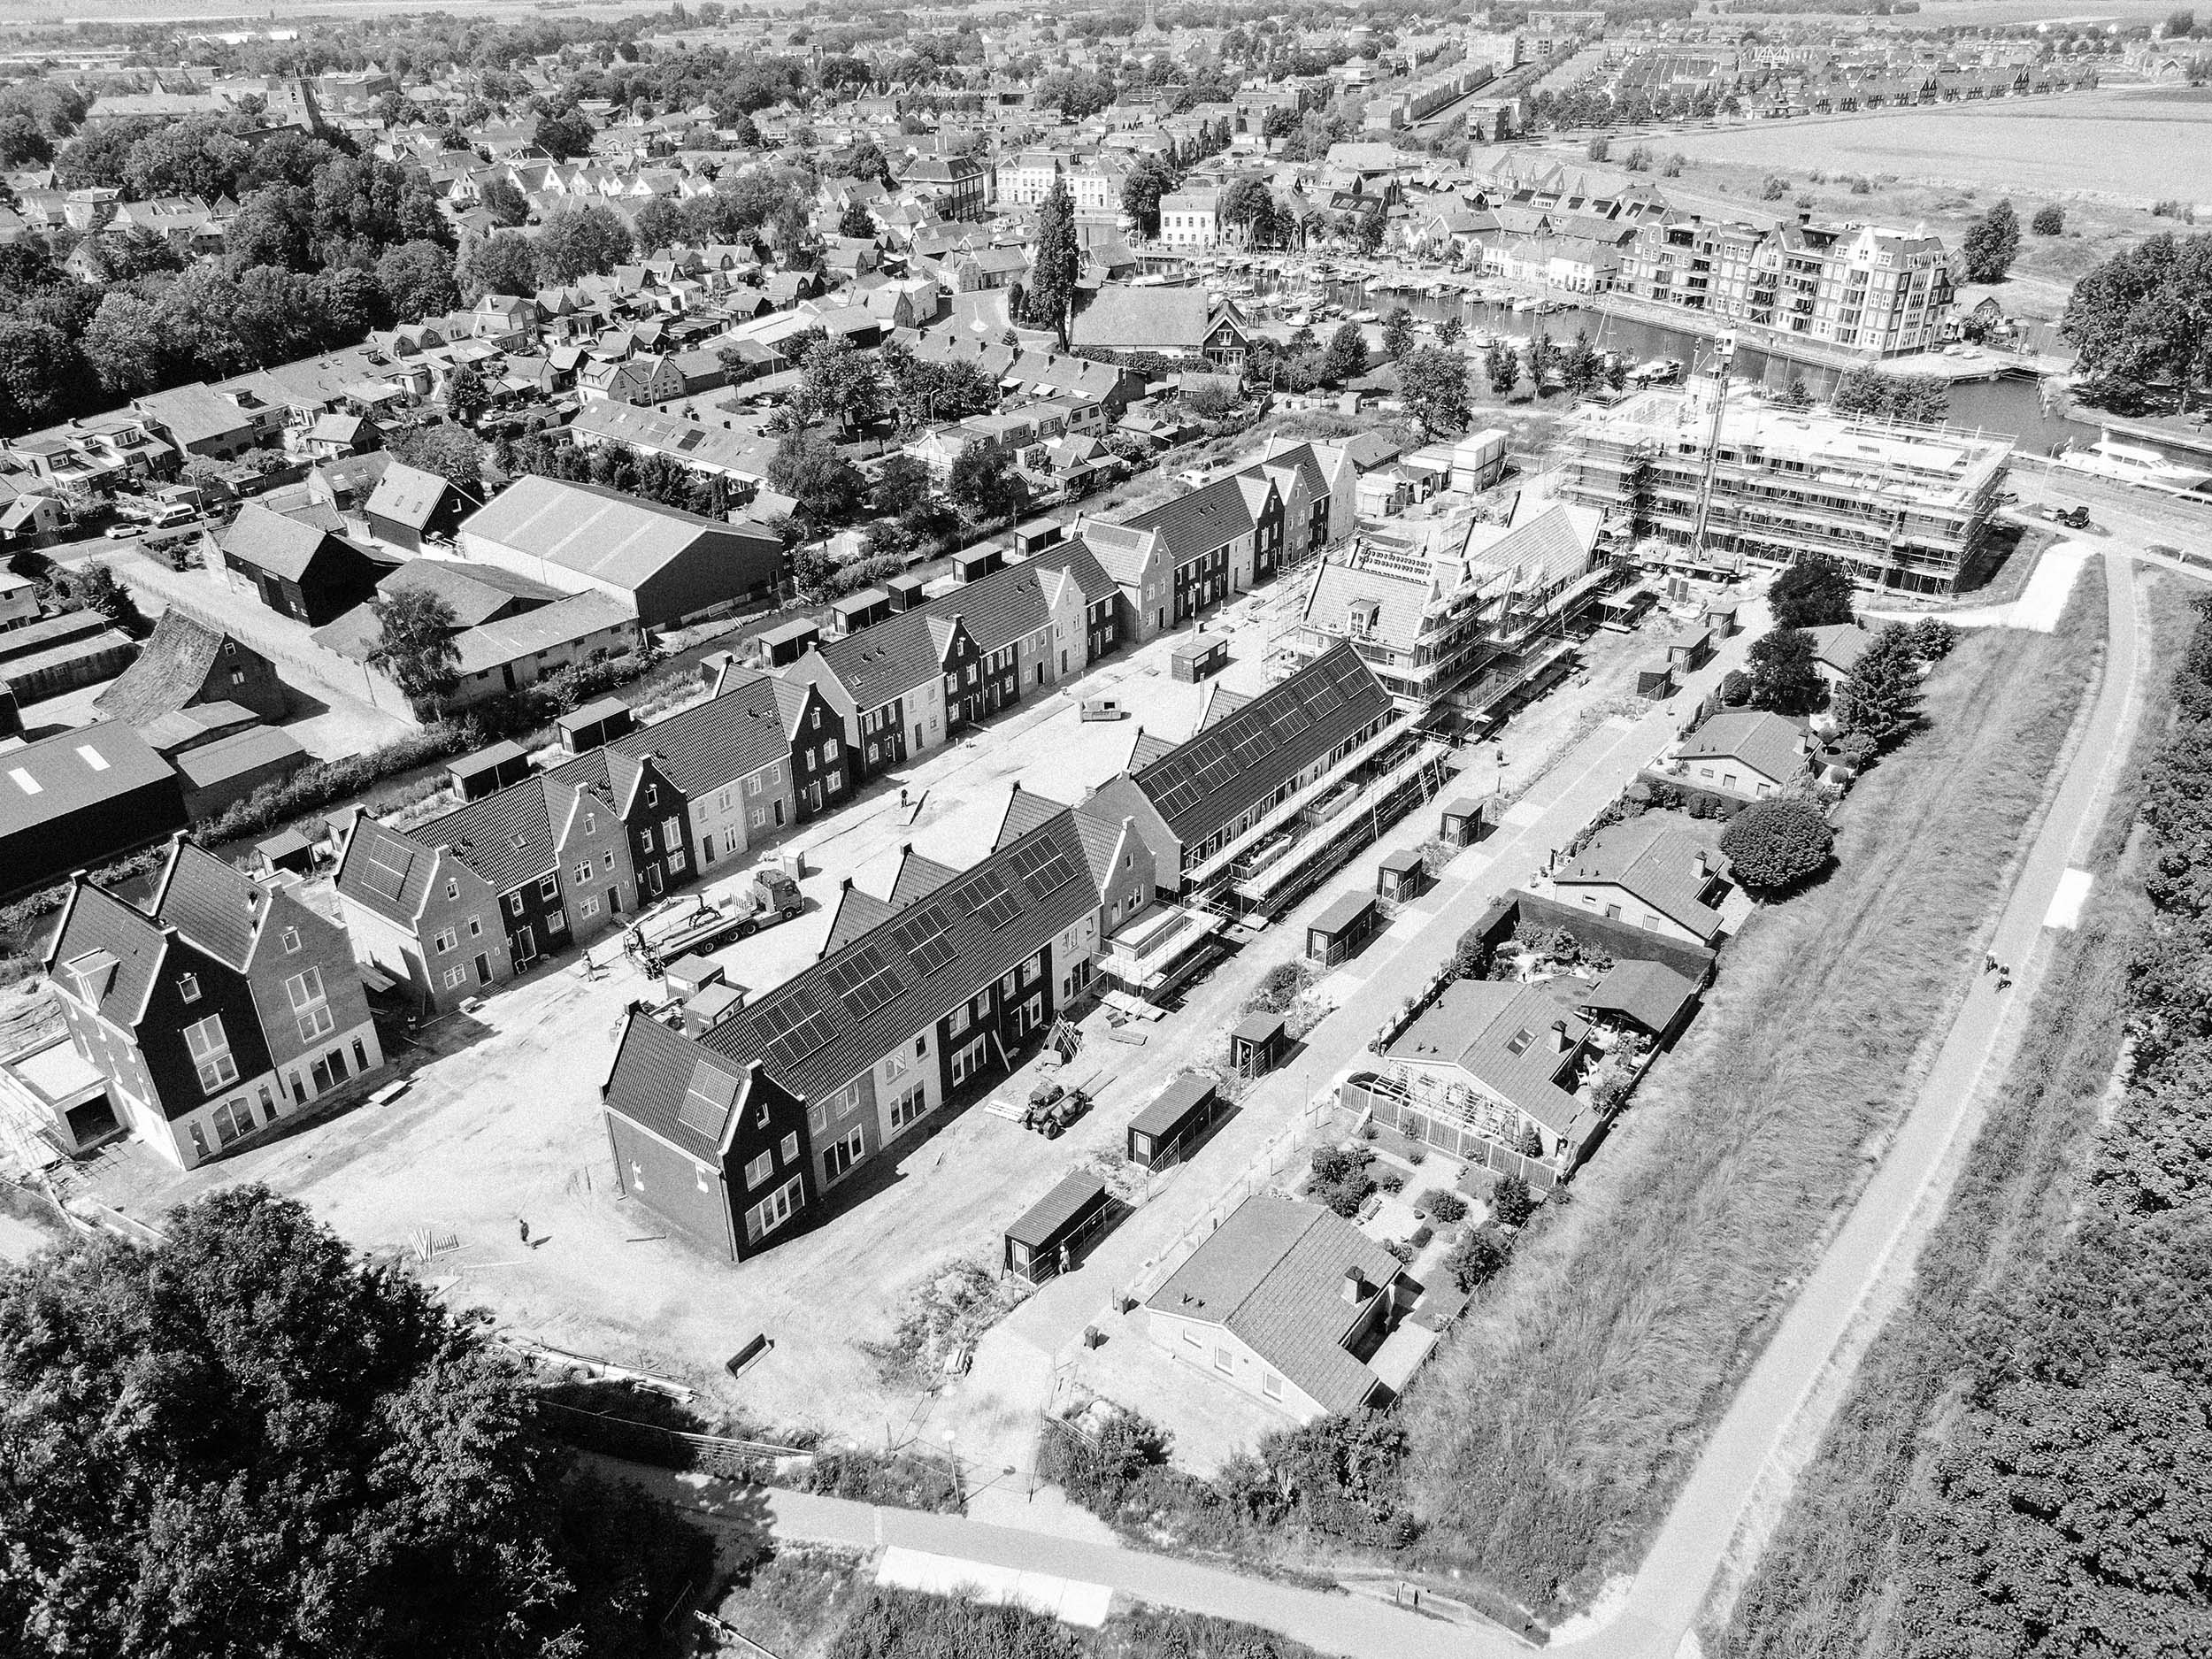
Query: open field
x=1562, y=1418
x=1822, y=1588
x=2128, y=145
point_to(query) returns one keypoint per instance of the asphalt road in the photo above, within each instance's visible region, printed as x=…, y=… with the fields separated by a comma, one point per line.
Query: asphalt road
x=1879, y=1237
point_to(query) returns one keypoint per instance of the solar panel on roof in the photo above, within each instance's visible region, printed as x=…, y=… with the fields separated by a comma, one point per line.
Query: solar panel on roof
x=922, y=936
x=1042, y=866
x=707, y=1101
x=863, y=980
x=795, y=1029
x=986, y=898
x=382, y=877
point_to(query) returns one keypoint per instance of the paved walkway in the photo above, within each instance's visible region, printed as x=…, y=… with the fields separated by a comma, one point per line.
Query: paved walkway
x=1879, y=1237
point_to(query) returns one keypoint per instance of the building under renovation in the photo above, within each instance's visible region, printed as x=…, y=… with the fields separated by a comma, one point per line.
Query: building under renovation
x=1458, y=610
x=1703, y=481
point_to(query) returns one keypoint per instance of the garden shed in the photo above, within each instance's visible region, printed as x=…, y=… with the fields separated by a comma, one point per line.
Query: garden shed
x=1257, y=1045
x=1043, y=1243
x=1170, y=1129
x=1339, y=932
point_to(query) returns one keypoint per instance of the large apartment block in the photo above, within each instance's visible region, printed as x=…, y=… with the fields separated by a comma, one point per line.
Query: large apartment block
x=1882, y=292
x=1907, y=507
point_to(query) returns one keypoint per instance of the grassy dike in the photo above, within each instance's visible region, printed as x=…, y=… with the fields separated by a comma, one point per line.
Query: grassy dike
x=1559, y=1423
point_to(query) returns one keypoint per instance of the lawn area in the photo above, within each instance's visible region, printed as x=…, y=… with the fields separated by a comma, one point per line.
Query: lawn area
x=1824, y=1587
x=1559, y=1421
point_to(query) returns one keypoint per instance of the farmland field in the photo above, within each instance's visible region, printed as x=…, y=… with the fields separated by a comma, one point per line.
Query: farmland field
x=2136, y=146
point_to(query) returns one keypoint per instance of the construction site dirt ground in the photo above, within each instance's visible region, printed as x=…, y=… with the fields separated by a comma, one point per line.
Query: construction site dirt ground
x=501, y=1124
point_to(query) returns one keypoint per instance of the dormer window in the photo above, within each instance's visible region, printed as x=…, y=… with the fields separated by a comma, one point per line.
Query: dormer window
x=188, y=987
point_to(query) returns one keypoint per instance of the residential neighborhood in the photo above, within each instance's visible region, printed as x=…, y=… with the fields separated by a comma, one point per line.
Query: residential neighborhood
x=1115, y=831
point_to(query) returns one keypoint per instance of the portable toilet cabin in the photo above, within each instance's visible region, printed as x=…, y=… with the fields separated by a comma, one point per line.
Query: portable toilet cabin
x=1170, y=1129
x=488, y=771
x=1043, y=1243
x=1338, y=932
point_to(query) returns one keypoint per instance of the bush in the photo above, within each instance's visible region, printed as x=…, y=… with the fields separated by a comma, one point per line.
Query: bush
x=1775, y=844
x=1440, y=1205
x=1933, y=639
x=1511, y=1203
x=1475, y=1260
x=1775, y=188
x=2049, y=220
x=1735, y=689
x=1391, y=1180
x=1341, y=1181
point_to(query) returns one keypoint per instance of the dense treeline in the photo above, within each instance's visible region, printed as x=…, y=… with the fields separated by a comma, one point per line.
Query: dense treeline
x=2067, y=1513
x=327, y=244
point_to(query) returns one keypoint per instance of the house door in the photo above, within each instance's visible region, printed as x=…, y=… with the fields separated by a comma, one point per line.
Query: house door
x=814, y=797
x=525, y=945
x=483, y=968
x=653, y=879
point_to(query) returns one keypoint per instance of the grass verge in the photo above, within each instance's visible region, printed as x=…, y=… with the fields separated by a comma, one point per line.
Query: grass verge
x=1822, y=1586
x=1558, y=1424
x=816, y=1603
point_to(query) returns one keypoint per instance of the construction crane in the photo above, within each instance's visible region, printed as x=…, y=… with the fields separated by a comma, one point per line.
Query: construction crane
x=1724, y=357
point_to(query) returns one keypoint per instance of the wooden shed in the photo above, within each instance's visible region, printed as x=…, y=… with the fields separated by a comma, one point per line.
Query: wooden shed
x=1257, y=1046
x=1462, y=825
x=1339, y=932
x=905, y=592
x=594, y=726
x=779, y=646
x=1170, y=1128
x=972, y=564
x=1044, y=1243
x=1402, y=876
x=285, y=850
x=488, y=771
x=1655, y=678
x=1035, y=536
x=1200, y=656
x=856, y=611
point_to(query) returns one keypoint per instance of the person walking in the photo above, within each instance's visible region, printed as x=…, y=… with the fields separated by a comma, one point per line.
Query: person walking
x=523, y=1227
x=1989, y=963
x=2004, y=975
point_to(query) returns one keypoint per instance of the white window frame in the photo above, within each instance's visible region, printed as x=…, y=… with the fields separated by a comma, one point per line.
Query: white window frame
x=210, y=1049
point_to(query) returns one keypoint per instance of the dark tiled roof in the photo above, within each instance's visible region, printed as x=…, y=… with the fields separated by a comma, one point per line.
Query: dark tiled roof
x=507, y=837
x=1649, y=993
x=172, y=667
x=208, y=765
x=271, y=541
x=1210, y=780
x=857, y=913
x=1200, y=521
x=385, y=870
x=1500, y=1032
x=977, y=942
x=918, y=878
x=119, y=941
x=1026, y=810
x=212, y=904
x=1654, y=857
x=674, y=1088
x=705, y=746
x=477, y=592
x=1273, y=1273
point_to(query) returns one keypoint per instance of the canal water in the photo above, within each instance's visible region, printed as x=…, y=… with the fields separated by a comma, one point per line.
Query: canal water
x=2011, y=404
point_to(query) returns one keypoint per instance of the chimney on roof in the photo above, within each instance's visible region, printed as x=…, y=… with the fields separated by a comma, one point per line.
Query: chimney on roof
x=1698, y=871
x=1559, y=1036
x=1355, y=1286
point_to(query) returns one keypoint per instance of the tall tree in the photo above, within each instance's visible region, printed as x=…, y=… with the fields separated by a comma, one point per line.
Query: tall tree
x=855, y=222
x=1152, y=177
x=1990, y=244
x=246, y=1441
x=454, y=453
x=1049, y=299
x=1347, y=357
x=660, y=224
x=577, y=242
x=1397, y=335
x=415, y=646
x=1783, y=678
x=419, y=278
x=504, y=200
x=1881, y=699
x=982, y=486
x=503, y=263
x=1814, y=593
x=2144, y=316
x=1434, y=385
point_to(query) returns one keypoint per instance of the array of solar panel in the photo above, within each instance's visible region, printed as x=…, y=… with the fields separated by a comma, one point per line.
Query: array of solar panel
x=795, y=1029
x=707, y=1101
x=1042, y=866
x=986, y=896
x=381, y=876
x=922, y=936
x=862, y=980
